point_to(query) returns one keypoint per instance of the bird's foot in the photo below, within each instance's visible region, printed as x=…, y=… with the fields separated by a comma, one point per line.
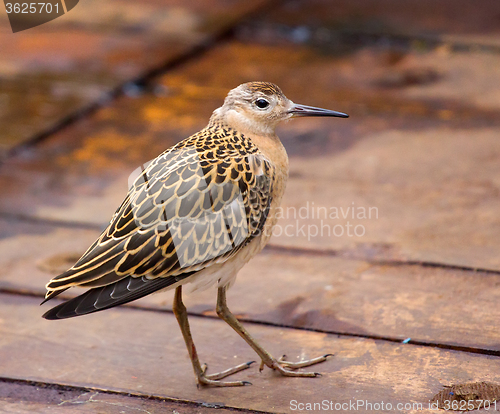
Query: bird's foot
x=286, y=368
x=214, y=379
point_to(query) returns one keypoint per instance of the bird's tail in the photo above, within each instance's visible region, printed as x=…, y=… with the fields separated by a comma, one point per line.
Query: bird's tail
x=105, y=297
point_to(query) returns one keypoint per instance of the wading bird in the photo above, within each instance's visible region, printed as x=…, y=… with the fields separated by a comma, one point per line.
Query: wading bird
x=196, y=214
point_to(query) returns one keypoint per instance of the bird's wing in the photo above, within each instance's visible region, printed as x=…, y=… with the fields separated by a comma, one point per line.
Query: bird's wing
x=190, y=208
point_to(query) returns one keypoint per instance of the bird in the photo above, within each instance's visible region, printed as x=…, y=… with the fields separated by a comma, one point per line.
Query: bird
x=196, y=215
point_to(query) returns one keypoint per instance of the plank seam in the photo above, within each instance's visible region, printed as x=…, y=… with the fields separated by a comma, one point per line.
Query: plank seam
x=347, y=255
x=68, y=387
x=221, y=35
x=343, y=254
x=429, y=344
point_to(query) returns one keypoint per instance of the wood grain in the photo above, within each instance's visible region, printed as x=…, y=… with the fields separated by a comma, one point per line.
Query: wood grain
x=136, y=351
x=332, y=294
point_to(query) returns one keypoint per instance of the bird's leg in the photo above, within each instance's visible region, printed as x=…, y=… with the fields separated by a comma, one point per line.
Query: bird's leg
x=284, y=367
x=180, y=313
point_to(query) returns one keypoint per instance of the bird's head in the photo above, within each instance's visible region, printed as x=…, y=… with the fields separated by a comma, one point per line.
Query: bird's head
x=258, y=107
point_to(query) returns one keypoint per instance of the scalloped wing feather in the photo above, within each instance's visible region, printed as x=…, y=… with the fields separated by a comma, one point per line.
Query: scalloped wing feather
x=196, y=204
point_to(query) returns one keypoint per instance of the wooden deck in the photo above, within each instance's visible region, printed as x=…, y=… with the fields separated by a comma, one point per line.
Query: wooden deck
x=406, y=296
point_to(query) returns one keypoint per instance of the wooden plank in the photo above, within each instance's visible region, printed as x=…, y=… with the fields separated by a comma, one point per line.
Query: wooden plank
x=432, y=178
x=392, y=18
x=94, y=159
x=433, y=195
x=432, y=182
x=371, y=80
x=56, y=69
x=135, y=351
x=40, y=91
x=22, y=398
x=331, y=294
x=422, y=211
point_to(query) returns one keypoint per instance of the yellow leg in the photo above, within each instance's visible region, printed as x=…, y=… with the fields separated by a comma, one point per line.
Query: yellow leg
x=282, y=366
x=199, y=371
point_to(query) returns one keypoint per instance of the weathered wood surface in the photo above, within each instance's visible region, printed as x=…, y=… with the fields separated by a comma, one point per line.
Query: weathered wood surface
x=129, y=350
x=22, y=398
x=427, y=19
x=55, y=70
x=421, y=146
x=306, y=290
x=433, y=182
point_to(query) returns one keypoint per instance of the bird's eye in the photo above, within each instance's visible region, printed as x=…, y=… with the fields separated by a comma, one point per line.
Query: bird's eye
x=261, y=103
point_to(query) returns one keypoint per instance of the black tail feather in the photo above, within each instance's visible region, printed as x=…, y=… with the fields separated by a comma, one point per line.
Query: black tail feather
x=105, y=297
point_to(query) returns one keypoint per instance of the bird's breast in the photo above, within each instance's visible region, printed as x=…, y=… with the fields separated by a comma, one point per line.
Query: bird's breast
x=274, y=151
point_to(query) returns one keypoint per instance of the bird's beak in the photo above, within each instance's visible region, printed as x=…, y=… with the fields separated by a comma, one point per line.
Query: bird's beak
x=304, y=110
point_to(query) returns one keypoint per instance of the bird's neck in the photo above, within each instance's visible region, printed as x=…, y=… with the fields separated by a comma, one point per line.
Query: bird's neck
x=264, y=139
